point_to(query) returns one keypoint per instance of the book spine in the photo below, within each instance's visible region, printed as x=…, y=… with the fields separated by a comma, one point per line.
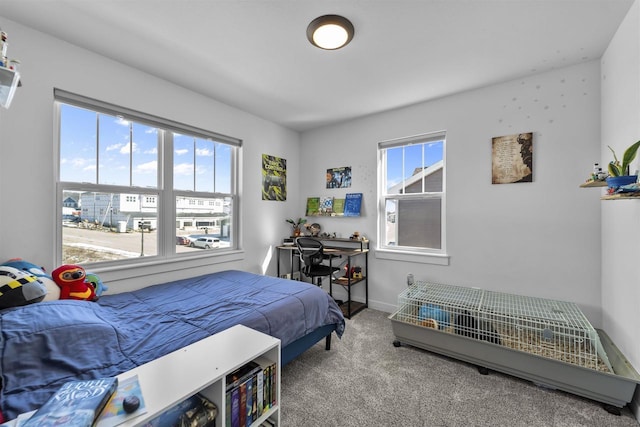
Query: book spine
x=235, y=407
x=254, y=398
x=227, y=405
x=243, y=404
x=260, y=392
x=249, y=407
x=274, y=385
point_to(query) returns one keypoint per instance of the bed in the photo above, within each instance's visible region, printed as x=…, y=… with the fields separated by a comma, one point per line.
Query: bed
x=45, y=344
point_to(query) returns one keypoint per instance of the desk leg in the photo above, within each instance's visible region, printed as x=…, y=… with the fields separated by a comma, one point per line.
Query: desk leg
x=349, y=287
x=366, y=280
x=330, y=277
x=278, y=262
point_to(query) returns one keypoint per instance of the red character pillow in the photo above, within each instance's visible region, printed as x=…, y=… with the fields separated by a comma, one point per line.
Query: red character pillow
x=71, y=280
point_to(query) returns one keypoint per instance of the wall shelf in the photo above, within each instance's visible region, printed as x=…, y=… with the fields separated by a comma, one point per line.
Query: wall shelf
x=621, y=196
x=590, y=184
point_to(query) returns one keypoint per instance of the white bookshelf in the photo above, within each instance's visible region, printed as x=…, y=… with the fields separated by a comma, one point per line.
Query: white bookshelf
x=202, y=368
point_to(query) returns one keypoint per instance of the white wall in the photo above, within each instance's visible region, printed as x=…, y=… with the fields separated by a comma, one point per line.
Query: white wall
x=621, y=219
x=540, y=239
x=27, y=154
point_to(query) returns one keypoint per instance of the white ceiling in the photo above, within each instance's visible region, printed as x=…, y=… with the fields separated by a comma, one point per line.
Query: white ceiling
x=254, y=54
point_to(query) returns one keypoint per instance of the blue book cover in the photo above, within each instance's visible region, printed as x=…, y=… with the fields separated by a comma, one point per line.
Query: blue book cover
x=235, y=407
x=75, y=404
x=352, y=204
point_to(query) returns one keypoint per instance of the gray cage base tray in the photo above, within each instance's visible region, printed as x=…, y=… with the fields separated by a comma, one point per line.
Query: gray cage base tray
x=614, y=389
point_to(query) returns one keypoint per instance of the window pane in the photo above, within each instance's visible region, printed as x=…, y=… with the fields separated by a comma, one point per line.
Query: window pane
x=114, y=141
x=183, y=167
x=77, y=144
x=223, y=168
x=205, y=158
x=408, y=166
x=107, y=226
x=203, y=223
x=418, y=223
x=144, y=156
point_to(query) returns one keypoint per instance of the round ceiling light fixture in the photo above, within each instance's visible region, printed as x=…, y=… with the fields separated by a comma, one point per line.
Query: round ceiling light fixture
x=330, y=32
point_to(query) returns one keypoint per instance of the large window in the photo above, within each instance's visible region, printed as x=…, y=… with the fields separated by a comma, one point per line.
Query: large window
x=132, y=185
x=412, y=192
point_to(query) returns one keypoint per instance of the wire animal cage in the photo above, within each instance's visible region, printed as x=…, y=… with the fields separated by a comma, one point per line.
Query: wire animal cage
x=545, y=341
x=548, y=328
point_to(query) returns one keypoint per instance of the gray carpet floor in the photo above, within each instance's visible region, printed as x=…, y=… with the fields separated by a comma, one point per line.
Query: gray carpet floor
x=365, y=381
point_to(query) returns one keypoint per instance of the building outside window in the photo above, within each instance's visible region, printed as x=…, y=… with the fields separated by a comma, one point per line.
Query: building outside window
x=136, y=180
x=412, y=194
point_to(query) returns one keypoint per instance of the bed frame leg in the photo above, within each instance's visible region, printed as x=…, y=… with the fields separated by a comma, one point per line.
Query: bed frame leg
x=327, y=345
x=614, y=410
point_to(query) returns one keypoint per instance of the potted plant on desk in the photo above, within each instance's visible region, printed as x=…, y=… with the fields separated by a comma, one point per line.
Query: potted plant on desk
x=619, y=172
x=296, y=231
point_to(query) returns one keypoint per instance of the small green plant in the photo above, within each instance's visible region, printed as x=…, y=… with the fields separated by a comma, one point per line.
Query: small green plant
x=295, y=226
x=619, y=169
x=298, y=223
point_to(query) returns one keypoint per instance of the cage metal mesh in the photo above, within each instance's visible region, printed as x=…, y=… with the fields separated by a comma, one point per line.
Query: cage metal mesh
x=548, y=328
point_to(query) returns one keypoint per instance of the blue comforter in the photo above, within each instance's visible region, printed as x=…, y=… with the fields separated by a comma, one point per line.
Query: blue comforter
x=45, y=344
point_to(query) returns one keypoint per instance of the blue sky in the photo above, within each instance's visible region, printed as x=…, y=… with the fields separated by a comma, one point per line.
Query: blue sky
x=127, y=154
x=413, y=158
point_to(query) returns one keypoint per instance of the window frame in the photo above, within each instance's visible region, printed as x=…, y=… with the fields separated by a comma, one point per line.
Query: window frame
x=434, y=255
x=164, y=191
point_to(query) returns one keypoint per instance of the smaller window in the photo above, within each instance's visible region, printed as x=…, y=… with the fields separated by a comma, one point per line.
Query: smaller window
x=412, y=191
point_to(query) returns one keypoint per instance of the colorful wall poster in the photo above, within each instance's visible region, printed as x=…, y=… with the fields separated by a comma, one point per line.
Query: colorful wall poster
x=339, y=177
x=274, y=178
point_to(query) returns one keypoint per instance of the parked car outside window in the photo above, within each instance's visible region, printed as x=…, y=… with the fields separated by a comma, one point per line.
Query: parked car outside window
x=205, y=243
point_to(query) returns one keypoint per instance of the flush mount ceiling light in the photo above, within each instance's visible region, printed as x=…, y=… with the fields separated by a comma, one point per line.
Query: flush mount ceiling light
x=330, y=32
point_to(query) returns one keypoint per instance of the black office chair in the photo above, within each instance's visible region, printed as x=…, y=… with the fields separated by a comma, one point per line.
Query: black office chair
x=311, y=260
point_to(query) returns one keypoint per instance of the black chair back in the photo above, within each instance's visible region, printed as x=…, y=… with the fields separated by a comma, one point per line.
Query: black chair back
x=311, y=253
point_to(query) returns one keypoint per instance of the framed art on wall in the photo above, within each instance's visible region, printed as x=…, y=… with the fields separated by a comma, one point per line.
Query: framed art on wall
x=512, y=158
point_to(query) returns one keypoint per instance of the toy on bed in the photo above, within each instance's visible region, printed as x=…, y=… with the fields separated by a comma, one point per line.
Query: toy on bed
x=18, y=287
x=97, y=284
x=53, y=291
x=72, y=282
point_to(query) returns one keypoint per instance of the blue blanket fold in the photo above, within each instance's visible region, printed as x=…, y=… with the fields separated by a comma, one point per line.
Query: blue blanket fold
x=45, y=344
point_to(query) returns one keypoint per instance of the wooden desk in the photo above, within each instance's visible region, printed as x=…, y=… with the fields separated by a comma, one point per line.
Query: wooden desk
x=337, y=248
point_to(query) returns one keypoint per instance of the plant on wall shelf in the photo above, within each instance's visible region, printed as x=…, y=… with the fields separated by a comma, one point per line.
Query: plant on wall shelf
x=296, y=225
x=621, y=169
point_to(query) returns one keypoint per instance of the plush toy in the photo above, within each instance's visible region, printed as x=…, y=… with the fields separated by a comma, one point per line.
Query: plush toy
x=18, y=287
x=71, y=280
x=53, y=291
x=97, y=284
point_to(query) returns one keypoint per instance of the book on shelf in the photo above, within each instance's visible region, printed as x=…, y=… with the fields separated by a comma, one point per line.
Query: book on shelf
x=114, y=413
x=75, y=403
x=313, y=206
x=352, y=204
x=338, y=207
x=326, y=205
x=195, y=410
x=250, y=392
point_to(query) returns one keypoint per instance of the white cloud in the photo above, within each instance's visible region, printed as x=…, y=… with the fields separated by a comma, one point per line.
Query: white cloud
x=204, y=152
x=182, y=152
x=126, y=148
x=183, y=169
x=121, y=121
x=149, y=167
x=114, y=147
x=154, y=150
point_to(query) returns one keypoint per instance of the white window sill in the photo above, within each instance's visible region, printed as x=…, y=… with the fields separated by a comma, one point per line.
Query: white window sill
x=419, y=257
